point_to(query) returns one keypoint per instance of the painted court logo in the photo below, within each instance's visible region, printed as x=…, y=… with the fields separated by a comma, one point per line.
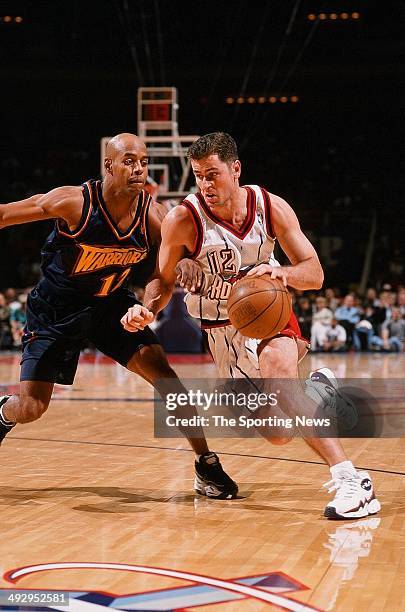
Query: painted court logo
x=272, y=588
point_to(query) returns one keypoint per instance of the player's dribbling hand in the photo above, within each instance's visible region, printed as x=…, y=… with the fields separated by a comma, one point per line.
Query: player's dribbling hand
x=275, y=272
x=137, y=318
x=189, y=275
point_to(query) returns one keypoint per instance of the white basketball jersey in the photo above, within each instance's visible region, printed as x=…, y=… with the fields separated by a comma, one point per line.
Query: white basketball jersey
x=223, y=251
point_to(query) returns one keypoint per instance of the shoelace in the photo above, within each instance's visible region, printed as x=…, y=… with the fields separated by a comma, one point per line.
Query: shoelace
x=344, y=486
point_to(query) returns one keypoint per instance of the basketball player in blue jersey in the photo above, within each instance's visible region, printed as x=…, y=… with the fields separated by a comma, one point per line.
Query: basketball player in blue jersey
x=102, y=229
x=229, y=229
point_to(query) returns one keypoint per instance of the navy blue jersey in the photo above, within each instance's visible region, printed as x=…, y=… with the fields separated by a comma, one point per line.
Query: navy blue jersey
x=96, y=258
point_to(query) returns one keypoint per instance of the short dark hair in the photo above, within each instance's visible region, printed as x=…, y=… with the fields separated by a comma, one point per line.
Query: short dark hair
x=216, y=143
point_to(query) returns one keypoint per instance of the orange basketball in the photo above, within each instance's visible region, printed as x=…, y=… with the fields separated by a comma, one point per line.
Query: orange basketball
x=259, y=307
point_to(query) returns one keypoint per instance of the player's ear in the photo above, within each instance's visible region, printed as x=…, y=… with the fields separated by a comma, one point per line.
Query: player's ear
x=108, y=165
x=236, y=169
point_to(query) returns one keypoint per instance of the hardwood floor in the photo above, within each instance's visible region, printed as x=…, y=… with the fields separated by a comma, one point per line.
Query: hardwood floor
x=89, y=484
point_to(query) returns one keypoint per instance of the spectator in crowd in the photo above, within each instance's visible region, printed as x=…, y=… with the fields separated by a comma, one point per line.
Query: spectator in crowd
x=303, y=311
x=18, y=319
x=332, y=301
x=364, y=334
x=393, y=332
x=5, y=329
x=12, y=299
x=387, y=301
x=335, y=337
x=370, y=299
x=348, y=315
x=321, y=320
x=401, y=301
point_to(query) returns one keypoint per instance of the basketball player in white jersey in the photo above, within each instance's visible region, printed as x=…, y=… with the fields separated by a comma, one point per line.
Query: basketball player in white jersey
x=230, y=229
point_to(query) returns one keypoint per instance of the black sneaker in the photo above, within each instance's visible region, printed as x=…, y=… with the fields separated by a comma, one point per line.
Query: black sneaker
x=5, y=426
x=211, y=480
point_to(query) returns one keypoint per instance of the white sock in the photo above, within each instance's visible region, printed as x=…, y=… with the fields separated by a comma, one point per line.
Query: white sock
x=343, y=465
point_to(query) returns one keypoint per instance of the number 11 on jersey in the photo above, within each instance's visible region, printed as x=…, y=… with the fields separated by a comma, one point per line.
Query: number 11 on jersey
x=112, y=282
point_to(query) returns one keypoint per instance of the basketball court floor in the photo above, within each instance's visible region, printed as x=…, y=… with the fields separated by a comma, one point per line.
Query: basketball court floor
x=94, y=505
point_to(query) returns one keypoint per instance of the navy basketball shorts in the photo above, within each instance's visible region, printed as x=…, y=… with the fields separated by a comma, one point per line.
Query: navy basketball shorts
x=58, y=327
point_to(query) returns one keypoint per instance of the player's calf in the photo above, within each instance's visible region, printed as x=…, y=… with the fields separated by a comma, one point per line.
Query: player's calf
x=22, y=408
x=30, y=409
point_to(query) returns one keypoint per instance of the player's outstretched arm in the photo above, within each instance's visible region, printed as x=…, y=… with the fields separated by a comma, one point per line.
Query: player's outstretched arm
x=177, y=240
x=306, y=271
x=63, y=202
x=169, y=235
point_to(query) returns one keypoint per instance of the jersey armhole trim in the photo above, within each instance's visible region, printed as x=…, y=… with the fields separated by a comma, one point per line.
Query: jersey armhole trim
x=84, y=219
x=198, y=228
x=267, y=213
x=145, y=222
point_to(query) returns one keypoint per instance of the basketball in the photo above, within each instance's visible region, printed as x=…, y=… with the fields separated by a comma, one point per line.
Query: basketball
x=259, y=307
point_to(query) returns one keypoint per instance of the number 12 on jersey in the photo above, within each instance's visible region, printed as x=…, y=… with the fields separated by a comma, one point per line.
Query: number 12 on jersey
x=222, y=261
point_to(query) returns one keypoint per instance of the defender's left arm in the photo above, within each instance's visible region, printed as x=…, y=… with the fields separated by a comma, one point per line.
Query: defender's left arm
x=159, y=288
x=306, y=270
x=138, y=317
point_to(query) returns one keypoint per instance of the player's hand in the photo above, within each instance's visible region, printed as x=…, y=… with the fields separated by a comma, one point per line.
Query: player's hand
x=275, y=272
x=190, y=275
x=137, y=318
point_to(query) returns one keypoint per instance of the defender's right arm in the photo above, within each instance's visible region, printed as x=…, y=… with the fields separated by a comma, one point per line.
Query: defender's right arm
x=63, y=203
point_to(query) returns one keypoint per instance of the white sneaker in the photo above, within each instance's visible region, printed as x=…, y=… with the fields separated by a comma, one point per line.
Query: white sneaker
x=354, y=493
x=322, y=386
x=373, y=505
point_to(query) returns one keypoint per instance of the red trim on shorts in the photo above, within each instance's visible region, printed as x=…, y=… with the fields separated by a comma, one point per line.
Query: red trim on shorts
x=199, y=232
x=267, y=210
x=292, y=330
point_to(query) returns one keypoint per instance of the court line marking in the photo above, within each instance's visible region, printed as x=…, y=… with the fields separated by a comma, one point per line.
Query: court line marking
x=186, y=450
x=248, y=591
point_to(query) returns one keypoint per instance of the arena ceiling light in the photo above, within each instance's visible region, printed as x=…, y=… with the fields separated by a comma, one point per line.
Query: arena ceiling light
x=11, y=19
x=282, y=99
x=355, y=16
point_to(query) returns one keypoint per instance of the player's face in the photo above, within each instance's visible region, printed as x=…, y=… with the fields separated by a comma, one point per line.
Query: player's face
x=217, y=180
x=130, y=169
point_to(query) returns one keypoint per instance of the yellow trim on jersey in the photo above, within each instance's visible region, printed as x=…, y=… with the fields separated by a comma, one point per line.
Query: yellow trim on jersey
x=81, y=227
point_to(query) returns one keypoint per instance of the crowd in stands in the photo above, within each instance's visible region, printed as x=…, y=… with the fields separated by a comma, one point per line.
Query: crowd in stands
x=333, y=323
x=12, y=317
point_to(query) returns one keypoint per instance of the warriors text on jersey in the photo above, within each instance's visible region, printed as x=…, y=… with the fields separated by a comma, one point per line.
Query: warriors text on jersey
x=96, y=258
x=223, y=251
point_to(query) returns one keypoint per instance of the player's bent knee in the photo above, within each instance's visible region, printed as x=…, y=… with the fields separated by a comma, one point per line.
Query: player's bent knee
x=31, y=409
x=276, y=364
